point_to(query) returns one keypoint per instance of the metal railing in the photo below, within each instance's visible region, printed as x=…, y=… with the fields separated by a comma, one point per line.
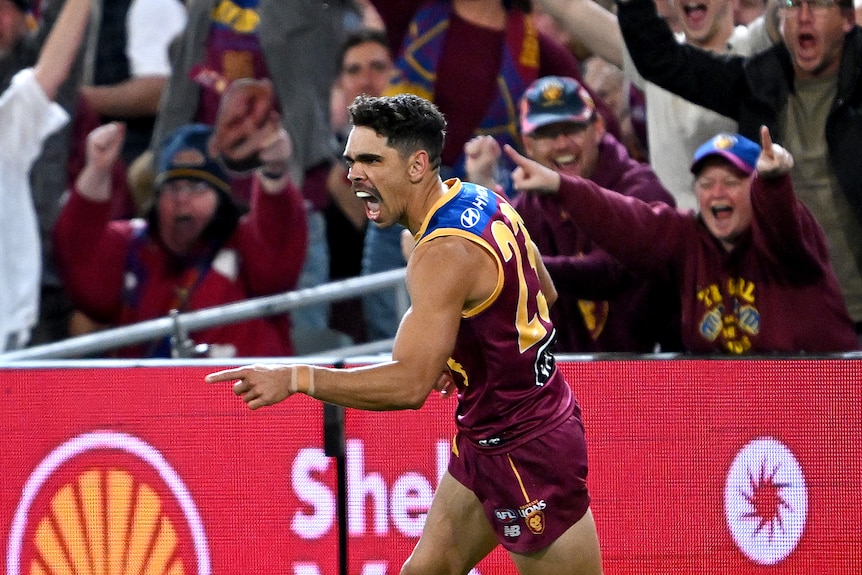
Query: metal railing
x=178, y=325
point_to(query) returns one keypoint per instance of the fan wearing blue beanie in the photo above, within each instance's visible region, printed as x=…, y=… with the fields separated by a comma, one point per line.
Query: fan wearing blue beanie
x=752, y=266
x=196, y=247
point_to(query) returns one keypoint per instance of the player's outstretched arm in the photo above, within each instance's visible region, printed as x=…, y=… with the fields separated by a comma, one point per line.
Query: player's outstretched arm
x=443, y=276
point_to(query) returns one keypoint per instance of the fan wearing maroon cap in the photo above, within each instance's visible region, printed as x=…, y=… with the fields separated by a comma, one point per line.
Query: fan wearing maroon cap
x=752, y=267
x=602, y=306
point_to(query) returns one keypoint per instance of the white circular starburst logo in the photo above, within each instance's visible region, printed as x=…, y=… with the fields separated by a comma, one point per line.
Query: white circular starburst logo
x=765, y=501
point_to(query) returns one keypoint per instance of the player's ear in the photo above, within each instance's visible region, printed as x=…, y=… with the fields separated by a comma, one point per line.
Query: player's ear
x=418, y=165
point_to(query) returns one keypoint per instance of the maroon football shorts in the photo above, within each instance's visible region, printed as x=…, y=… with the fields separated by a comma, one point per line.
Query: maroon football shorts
x=533, y=492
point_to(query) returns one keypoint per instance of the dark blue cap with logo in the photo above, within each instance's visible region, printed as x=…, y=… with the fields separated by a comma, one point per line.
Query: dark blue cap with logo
x=553, y=99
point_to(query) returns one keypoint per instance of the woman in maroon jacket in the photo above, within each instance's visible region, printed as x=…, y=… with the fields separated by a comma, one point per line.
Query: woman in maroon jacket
x=752, y=267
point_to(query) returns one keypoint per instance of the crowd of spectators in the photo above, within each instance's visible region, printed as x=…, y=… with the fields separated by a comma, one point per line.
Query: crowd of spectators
x=129, y=214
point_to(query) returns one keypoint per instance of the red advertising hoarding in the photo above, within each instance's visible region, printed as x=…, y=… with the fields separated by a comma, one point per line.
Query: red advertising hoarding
x=696, y=467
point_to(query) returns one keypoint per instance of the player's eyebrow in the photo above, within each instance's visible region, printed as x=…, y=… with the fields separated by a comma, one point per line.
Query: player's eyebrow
x=362, y=158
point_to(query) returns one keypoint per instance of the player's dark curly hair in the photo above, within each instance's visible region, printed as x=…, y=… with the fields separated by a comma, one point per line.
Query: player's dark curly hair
x=409, y=123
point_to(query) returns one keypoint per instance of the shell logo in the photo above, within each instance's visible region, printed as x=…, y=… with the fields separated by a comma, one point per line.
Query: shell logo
x=766, y=501
x=106, y=503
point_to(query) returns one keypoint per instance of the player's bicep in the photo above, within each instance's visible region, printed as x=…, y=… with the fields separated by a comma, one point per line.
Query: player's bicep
x=439, y=282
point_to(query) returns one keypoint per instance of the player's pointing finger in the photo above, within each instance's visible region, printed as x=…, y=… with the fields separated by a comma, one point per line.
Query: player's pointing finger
x=225, y=375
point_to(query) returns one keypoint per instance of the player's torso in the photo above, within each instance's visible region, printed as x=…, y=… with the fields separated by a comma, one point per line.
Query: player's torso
x=503, y=364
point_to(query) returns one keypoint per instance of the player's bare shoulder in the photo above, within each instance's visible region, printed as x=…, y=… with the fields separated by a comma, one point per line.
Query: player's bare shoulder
x=454, y=265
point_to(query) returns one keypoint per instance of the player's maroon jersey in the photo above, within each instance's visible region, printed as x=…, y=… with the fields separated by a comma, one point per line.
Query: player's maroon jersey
x=509, y=388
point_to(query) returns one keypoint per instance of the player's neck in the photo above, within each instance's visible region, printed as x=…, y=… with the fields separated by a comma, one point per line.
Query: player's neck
x=424, y=201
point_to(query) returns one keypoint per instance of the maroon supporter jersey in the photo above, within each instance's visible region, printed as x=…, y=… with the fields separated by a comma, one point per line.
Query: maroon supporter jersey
x=509, y=389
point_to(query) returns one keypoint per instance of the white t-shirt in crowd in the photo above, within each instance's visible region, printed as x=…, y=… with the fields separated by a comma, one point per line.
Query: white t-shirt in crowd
x=28, y=117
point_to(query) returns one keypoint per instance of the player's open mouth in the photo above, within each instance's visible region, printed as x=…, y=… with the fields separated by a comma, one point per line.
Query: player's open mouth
x=372, y=204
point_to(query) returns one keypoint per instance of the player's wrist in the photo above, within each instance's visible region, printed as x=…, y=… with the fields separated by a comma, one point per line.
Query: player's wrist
x=302, y=379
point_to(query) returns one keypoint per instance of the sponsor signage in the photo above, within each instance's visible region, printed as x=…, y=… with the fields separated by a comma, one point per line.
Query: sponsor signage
x=696, y=466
